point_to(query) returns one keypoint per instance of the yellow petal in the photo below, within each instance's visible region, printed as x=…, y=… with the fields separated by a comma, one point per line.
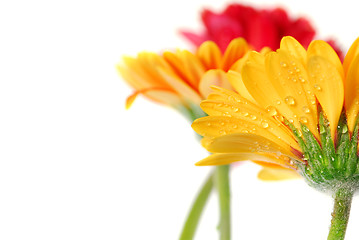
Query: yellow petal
x=294, y=48
x=289, y=79
x=351, y=89
x=323, y=49
x=223, y=102
x=352, y=53
x=328, y=88
x=277, y=174
x=244, y=142
x=257, y=83
x=228, y=158
x=236, y=81
x=210, y=55
x=235, y=50
x=215, y=77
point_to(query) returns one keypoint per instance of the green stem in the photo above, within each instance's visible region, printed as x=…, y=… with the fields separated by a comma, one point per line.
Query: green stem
x=340, y=216
x=223, y=188
x=189, y=229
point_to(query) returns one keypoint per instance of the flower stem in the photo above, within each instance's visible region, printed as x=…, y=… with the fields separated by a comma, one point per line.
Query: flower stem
x=223, y=188
x=340, y=216
x=190, y=227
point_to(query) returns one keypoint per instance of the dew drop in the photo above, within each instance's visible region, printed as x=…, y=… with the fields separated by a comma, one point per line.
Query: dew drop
x=290, y=72
x=303, y=119
x=235, y=126
x=306, y=109
x=294, y=79
x=317, y=87
x=302, y=80
x=271, y=111
x=278, y=102
x=264, y=124
x=245, y=114
x=345, y=129
x=283, y=64
x=253, y=117
x=222, y=123
x=235, y=109
x=290, y=100
x=313, y=102
x=209, y=124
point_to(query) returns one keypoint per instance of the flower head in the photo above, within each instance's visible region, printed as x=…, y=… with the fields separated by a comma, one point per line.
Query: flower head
x=260, y=27
x=301, y=114
x=181, y=78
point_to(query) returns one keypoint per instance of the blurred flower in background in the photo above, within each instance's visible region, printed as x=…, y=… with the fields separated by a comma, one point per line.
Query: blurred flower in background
x=260, y=27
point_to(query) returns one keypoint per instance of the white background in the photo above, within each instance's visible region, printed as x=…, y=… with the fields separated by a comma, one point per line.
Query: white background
x=74, y=164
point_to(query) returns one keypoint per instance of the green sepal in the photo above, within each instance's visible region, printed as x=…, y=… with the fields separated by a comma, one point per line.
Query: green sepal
x=316, y=157
x=330, y=159
x=352, y=161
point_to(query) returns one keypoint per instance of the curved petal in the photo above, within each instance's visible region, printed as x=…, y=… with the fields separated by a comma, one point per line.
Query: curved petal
x=294, y=48
x=289, y=79
x=277, y=174
x=236, y=81
x=228, y=158
x=352, y=53
x=210, y=55
x=328, y=88
x=235, y=50
x=215, y=77
x=323, y=49
x=185, y=91
x=351, y=89
x=244, y=142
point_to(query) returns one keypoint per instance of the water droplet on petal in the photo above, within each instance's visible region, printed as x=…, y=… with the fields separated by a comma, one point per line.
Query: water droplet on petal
x=306, y=109
x=235, y=110
x=222, y=123
x=264, y=124
x=209, y=124
x=313, y=102
x=317, y=87
x=345, y=129
x=253, y=117
x=235, y=126
x=271, y=111
x=290, y=100
x=303, y=119
x=278, y=102
x=245, y=114
x=283, y=64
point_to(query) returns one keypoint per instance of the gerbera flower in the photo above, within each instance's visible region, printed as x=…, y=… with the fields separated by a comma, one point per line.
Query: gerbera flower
x=302, y=115
x=260, y=27
x=177, y=78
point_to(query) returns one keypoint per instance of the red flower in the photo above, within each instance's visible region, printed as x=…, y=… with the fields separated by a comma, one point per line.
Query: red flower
x=260, y=27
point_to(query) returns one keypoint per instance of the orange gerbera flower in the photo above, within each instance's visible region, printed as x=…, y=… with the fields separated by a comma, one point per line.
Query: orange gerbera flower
x=181, y=78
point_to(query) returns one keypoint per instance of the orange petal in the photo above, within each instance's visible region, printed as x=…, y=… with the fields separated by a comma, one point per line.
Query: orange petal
x=235, y=50
x=213, y=77
x=178, y=85
x=210, y=55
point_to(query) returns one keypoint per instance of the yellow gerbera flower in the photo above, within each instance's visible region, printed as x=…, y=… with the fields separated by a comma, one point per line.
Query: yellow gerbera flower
x=181, y=78
x=299, y=110
x=295, y=107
